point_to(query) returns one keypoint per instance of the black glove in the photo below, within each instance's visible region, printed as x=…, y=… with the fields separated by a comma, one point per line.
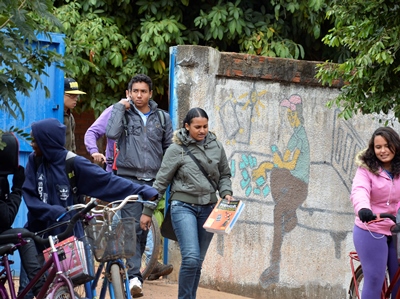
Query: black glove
x=18, y=180
x=393, y=218
x=366, y=215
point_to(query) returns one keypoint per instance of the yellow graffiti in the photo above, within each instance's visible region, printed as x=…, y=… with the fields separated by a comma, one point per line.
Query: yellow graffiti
x=255, y=99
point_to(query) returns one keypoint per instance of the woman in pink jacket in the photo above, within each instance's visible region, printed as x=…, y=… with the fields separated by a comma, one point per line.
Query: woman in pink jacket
x=376, y=189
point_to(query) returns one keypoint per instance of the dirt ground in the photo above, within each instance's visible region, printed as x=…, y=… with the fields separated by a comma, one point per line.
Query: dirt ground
x=164, y=289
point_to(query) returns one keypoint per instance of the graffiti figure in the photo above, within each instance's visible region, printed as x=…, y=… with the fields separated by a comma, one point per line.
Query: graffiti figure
x=289, y=183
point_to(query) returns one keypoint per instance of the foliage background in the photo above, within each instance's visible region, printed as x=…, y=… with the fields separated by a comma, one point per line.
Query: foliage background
x=110, y=41
x=370, y=29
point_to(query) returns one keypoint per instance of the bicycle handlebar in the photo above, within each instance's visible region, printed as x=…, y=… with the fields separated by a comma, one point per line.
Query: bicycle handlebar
x=14, y=238
x=121, y=204
x=381, y=216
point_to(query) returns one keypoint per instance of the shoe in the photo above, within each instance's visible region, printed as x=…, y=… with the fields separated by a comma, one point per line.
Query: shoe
x=135, y=287
x=160, y=270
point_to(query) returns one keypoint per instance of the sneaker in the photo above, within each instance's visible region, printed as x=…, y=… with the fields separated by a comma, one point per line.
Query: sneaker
x=160, y=270
x=136, y=287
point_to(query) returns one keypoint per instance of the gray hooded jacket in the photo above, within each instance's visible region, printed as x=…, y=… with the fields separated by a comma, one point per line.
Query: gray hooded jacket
x=188, y=183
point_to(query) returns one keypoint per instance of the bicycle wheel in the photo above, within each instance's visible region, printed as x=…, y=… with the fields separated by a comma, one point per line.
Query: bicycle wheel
x=80, y=291
x=360, y=283
x=117, y=281
x=60, y=291
x=150, y=256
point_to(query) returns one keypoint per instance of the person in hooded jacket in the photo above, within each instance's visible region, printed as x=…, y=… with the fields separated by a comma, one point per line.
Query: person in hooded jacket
x=193, y=197
x=376, y=189
x=9, y=205
x=46, y=189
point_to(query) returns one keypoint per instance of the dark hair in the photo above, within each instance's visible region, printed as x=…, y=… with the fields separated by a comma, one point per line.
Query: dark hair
x=141, y=78
x=194, y=112
x=393, y=141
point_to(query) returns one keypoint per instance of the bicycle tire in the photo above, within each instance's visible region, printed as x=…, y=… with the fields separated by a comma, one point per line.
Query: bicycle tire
x=117, y=281
x=359, y=279
x=80, y=291
x=146, y=268
x=60, y=291
x=360, y=282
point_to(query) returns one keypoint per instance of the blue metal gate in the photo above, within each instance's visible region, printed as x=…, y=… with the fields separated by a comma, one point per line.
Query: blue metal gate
x=37, y=107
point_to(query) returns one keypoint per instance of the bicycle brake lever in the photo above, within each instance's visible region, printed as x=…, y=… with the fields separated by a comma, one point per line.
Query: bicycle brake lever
x=61, y=216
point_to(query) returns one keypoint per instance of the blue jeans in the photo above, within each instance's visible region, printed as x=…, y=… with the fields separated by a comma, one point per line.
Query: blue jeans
x=135, y=210
x=149, y=242
x=149, y=246
x=193, y=240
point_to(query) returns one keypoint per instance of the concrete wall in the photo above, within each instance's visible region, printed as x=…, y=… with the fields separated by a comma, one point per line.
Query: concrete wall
x=294, y=236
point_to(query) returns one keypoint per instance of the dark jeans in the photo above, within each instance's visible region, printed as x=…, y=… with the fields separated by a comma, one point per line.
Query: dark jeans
x=135, y=210
x=193, y=239
x=29, y=260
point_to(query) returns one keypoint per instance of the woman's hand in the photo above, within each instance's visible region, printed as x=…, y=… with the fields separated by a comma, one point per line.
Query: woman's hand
x=229, y=197
x=366, y=215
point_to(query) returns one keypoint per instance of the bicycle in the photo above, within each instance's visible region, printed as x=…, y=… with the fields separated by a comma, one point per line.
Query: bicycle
x=356, y=284
x=112, y=239
x=58, y=282
x=149, y=263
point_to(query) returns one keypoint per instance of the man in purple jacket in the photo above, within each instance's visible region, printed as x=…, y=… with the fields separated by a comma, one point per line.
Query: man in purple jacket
x=94, y=133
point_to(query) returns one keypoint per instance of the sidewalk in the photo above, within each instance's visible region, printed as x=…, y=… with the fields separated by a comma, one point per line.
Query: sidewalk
x=164, y=289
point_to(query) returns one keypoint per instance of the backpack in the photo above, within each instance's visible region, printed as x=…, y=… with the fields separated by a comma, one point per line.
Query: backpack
x=9, y=156
x=161, y=118
x=70, y=171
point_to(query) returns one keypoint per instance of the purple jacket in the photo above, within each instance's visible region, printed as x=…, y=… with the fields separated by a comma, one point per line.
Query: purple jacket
x=96, y=131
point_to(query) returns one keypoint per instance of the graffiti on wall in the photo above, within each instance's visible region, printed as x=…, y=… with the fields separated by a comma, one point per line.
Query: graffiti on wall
x=283, y=173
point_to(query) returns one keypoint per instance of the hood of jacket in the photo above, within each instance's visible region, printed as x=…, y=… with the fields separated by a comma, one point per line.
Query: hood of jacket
x=181, y=136
x=49, y=135
x=360, y=163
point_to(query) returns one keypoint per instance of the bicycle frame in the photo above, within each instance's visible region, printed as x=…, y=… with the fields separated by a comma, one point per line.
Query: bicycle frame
x=106, y=285
x=386, y=288
x=55, y=275
x=107, y=212
x=56, y=279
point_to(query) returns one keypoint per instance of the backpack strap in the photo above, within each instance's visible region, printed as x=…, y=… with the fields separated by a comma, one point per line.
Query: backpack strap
x=161, y=117
x=69, y=168
x=125, y=123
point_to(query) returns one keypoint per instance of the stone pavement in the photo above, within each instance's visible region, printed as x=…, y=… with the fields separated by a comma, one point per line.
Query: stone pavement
x=165, y=289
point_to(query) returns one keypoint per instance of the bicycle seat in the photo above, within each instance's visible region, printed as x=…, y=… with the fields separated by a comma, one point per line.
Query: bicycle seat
x=7, y=249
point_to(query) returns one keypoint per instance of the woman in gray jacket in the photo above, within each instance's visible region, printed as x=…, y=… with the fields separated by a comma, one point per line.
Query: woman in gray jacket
x=193, y=196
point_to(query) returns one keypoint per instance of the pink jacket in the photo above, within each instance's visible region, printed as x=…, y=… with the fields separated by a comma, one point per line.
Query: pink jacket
x=377, y=192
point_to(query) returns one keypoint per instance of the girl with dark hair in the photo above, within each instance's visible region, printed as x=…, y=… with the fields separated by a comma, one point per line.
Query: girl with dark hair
x=193, y=196
x=376, y=189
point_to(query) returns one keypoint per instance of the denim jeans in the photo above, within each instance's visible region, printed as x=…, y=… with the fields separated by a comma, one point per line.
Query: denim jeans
x=149, y=242
x=149, y=246
x=193, y=240
x=135, y=210
x=29, y=261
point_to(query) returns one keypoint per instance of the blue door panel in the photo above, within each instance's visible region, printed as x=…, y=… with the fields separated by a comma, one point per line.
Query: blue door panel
x=37, y=107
